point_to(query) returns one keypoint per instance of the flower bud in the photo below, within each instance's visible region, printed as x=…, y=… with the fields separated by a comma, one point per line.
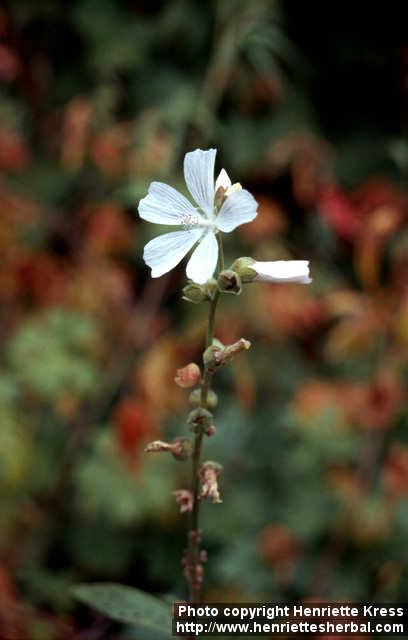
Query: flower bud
x=211, y=287
x=184, y=499
x=282, y=271
x=209, y=472
x=232, y=350
x=229, y=282
x=210, y=431
x=195, y=398
x=157, y=445
x=215, y=356
x=210, y=357
x=244, y=268
x=203, y=555
x=188, y=376
x=180, y=448
x=199, y=420
x=194, y=293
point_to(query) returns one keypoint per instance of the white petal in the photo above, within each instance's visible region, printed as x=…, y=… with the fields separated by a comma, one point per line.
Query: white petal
x=165, y=252
x=223, y=180
x=283, y=271
x=238, y=208
x=199, y=177
x=202, y=263
x=165, y=205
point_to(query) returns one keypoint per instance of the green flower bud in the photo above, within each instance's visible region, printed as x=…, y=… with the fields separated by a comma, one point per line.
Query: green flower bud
x=211, y=288
x=212, y=399
x=199, y=420
x=182, y=448
x=230, y=282
x=195, y=398
x=243, y=267
x=215, y=356
x=211, y=356
x=194, y=293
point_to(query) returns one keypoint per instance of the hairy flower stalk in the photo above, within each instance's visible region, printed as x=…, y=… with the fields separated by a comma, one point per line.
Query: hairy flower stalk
x=194, y=569
x=220, y=206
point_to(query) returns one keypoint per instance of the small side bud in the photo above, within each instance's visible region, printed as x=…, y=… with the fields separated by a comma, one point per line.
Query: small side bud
x=210, y=431
x=195, y=398
x=184, y=499
x=194, y=293
x=211, y=288
x=209, y=472
x=229, y=281
x=180, y=448
x=157, y=445
x=244, y=268
x=210, y=357
x=215, y=356
x=188, y=376
x=199, y=420
x=232, y=350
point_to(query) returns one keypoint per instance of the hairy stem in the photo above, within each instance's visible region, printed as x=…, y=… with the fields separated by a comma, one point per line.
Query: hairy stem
x=194, y=565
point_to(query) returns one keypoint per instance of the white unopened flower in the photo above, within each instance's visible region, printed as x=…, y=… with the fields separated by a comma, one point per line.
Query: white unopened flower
x=199, y=222
x=251, y=270
x=282, y=271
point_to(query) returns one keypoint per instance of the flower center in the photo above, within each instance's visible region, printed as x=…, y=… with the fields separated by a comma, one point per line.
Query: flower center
x=189, y=220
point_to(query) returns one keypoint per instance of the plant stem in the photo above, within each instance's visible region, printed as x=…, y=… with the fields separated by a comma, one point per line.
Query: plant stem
x=194, y=566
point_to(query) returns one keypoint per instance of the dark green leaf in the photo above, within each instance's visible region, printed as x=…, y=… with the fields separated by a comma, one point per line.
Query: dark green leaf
x=127, y=605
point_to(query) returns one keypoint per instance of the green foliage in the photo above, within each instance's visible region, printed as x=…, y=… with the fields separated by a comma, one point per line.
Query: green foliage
x=127, y=605
x=52, y=354
x=106, y=489
x=15, y=450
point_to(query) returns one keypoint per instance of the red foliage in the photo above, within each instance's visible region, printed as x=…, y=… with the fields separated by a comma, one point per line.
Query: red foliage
x=347, y=213
x=41, y=278
x=133, y=424
x=338, y=210
x=10, y=66
x=108, y=230
x=14, y=154
x=376, y=405
x=395, y=472
x=279, y=548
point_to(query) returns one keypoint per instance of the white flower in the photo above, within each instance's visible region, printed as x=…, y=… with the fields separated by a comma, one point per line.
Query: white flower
x=200, y=222
x=282, y=271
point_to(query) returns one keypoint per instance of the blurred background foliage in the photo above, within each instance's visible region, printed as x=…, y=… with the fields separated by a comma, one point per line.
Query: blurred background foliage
x=306, y=104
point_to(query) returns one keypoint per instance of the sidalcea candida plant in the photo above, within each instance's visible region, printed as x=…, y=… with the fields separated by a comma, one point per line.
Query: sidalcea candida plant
x=217, y=207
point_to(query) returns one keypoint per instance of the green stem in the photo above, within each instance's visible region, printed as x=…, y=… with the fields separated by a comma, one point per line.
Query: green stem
x=193, y=553
x=220, y=253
